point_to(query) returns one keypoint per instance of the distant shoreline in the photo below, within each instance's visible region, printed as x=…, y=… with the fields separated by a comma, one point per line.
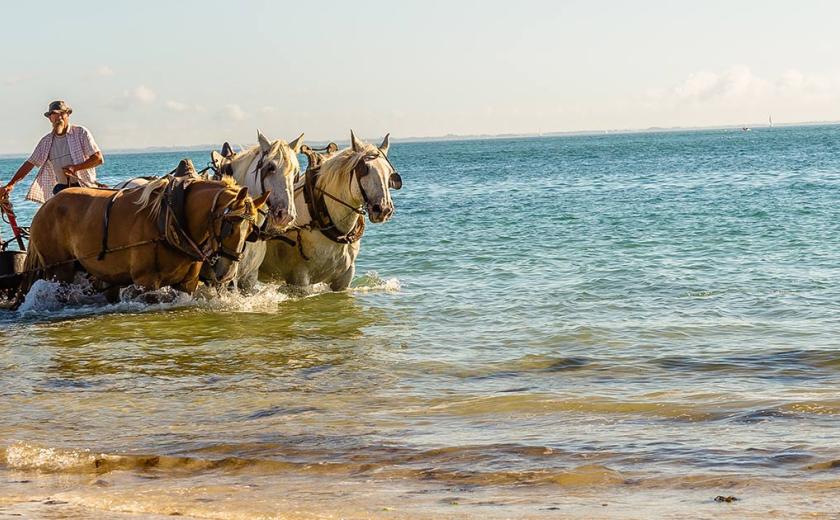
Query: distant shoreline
x=469, y=137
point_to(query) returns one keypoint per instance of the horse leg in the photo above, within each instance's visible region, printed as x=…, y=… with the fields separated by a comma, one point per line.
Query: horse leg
x=148, y=282
x=65, y=272
x=112, y=293
x=299, y=277
x=343, y=280
x=141, y=283
x=247, y=283
x=188, y=286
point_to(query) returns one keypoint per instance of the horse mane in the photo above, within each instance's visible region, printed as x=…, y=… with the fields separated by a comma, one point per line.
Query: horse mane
x=151, y=196
x=253, y=151
x=344, y=161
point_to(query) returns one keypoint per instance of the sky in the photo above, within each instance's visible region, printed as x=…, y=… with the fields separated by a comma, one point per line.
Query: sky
x=179, y=73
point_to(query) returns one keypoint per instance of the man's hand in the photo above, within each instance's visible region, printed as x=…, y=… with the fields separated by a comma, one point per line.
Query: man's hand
x=5, y=191
x=70, y=171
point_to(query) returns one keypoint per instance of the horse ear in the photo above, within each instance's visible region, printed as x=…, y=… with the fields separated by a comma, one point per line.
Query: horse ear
x=385, y=144
x=355, y=143
x=261, y=200
x=265, y=144
x=297, y=143
x=332, y=148
x=216, y=159
x=243, y=192
x=227, y=150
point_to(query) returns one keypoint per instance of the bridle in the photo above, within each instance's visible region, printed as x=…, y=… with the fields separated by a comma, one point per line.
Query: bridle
x=360, y=170
x=319, y=213
x=212, y=248
x=262, y=171
x=229, y=219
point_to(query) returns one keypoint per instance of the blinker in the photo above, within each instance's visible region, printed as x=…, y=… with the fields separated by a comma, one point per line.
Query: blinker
x=395, y=181
x=254, y=235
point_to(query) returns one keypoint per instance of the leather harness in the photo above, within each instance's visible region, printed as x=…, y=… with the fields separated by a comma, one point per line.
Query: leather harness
x=321, y=219
x=172, y=224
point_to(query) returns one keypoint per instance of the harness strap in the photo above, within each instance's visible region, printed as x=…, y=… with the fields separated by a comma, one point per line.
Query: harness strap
x=321, y=218
x=84, y=257
x=226, y=228
x=300, y=247
x=106, y=224
x=288, y=241
x=172, y=219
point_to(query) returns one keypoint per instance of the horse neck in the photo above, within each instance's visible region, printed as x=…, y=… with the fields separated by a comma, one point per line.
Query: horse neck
x=341, y=188
x=242, y=163
x=198, y=209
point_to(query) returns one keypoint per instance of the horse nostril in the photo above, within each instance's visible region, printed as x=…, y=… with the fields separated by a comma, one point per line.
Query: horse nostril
x=377, y=208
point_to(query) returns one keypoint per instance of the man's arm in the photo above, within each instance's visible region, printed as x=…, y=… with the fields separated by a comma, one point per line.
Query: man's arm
x=24, y=169
x=37, y=159
x=91, y=162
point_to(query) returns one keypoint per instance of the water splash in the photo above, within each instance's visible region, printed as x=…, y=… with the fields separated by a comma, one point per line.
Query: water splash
x=265, y=298
x=55, y=300
x=372, y=282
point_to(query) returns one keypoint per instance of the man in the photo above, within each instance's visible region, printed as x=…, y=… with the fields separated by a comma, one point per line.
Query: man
x=67, y=156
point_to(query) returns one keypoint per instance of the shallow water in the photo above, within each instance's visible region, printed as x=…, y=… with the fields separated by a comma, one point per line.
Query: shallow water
x=618, y=326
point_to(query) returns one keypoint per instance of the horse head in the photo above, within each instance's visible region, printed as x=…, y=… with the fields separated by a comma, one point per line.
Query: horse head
x=276, y=172
x=233, y=222
x=376, y=177
x=271, y=166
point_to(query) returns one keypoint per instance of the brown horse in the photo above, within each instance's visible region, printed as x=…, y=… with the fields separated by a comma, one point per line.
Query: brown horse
x=151, y=241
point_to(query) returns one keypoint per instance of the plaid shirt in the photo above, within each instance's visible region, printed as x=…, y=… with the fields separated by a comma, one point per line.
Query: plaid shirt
x=82, y=147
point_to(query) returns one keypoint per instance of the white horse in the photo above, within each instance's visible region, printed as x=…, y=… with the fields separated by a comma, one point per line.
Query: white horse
x=331, y=203
x=267, y=167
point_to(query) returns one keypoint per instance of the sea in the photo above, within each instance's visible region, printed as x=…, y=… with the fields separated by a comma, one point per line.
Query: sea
x=622, y=326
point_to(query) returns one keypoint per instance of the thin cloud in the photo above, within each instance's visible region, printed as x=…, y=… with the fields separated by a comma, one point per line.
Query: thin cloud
x=176, y=106
x=144, y=94
x=738, y=86
x=104, y=71
x=233, y=112
x=140, y=94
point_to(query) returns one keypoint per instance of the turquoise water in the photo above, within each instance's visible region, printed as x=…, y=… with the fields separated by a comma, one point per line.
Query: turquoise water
x=544, y=323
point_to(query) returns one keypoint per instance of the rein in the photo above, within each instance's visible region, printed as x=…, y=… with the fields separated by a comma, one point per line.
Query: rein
x=85, y=257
